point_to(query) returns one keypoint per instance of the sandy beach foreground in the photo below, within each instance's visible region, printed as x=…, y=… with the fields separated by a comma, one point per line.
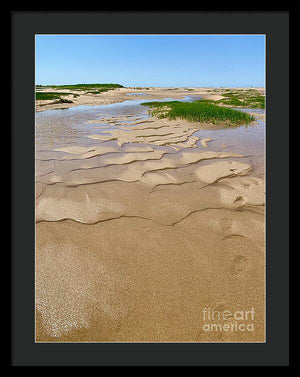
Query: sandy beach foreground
x=147, y=230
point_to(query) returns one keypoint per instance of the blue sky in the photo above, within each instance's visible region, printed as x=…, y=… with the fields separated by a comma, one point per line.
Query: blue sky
x=153, y=60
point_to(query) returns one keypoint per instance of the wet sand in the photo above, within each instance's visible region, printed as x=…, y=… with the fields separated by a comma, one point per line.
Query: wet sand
x=144, y=223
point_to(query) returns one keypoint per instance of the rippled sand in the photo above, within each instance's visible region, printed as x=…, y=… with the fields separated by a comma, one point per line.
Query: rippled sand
x=143, y=227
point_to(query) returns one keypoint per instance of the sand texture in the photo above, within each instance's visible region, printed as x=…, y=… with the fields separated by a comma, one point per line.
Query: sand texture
x=141, y=227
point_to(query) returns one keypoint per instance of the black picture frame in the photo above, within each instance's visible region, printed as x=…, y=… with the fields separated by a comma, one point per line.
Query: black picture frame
x=24, y=26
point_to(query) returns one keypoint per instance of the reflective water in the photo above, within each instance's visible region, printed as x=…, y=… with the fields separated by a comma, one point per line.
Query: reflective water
x=58, y=128
x=137, y=94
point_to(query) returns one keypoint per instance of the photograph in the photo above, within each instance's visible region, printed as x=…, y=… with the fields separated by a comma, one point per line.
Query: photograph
x=150, y=188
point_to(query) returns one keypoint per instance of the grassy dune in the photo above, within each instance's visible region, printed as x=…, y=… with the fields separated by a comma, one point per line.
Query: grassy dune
x=83, y=87
x=199, y=111
x=250, y=98
x=87, y=88
x=52, y=95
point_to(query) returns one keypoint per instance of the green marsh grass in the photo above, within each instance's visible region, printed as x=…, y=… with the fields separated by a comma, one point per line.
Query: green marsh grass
x=199, y=111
